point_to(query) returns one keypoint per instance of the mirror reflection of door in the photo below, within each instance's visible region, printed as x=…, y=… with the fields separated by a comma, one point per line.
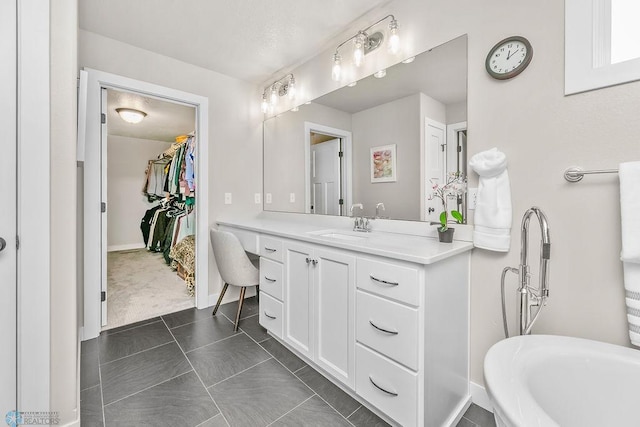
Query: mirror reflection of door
x=326, y=175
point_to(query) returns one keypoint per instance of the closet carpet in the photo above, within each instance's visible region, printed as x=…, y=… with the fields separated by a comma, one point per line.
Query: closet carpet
x=140, y=285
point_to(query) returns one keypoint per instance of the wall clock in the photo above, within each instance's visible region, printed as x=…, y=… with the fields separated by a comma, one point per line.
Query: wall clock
x=509, y=57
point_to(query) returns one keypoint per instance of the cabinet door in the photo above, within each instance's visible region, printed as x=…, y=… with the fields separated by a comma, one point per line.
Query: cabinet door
x=334, y=283
x=298, y=297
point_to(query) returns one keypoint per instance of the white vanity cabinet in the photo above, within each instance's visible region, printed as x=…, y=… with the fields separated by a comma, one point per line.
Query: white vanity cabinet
x=320, y=306
x=387, y=320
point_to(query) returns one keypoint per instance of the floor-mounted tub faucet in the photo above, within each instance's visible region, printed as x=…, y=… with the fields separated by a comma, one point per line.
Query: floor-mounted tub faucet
x=529, y=297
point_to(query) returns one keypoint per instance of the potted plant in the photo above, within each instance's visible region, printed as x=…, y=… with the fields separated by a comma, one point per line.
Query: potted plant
x=454, y=187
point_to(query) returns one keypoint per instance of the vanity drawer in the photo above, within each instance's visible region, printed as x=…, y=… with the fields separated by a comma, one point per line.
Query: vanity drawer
x=387, y=385
x=271, y=314
x=388, y=327
x=271, y=278
x=271, y=248
x=390, y=280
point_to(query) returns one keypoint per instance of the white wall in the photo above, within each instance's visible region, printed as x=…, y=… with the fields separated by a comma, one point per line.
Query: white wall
x=284, y=153
x=456, y=113
x=396, y=122
x=126, y=162
x=64, y=332
x=235, y=128
x=542, y=132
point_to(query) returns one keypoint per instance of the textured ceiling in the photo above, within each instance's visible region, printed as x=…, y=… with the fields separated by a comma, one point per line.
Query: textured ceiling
x=164, y=120
x=246, y=39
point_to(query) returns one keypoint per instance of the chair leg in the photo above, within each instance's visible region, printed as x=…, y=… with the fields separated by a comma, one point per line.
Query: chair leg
x=224, y=289
x=240, y=302
x=258, y=293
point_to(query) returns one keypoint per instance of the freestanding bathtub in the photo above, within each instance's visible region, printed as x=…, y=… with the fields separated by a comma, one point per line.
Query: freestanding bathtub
x=545, y=380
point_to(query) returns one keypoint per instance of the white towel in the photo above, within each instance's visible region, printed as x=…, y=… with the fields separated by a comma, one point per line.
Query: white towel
x=629, y=174
x=630, y=211
x=632, y=293
x=493, y=217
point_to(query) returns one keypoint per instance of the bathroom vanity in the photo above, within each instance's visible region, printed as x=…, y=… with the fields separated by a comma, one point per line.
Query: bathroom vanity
x=383, y=315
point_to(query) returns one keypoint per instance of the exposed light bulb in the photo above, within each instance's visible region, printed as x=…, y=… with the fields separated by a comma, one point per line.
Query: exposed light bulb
x=358, y=50
x=380, y=74
x=265, y=104
x=336, y=71
x=394, y=38
x=352, y=84
x=291, y=90
x=409, y=60
x=274, y=95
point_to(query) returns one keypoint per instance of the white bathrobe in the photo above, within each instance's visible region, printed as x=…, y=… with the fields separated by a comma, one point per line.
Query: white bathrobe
x=493, y=214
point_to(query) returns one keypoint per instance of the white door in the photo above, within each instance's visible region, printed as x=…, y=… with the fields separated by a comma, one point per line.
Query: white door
x=334, y=284
x=434, y=150
x=325, y=178
x=8, y=206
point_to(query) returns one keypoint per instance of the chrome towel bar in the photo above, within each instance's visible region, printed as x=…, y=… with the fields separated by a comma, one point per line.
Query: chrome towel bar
x=575, y=173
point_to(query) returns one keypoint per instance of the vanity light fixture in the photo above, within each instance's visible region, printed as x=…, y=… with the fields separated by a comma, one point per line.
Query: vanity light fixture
x=281, y=87
x=130, y=115
x=380, y=74
x=365, y=43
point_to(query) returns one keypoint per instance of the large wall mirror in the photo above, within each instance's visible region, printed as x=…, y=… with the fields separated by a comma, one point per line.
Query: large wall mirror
x=381, y=142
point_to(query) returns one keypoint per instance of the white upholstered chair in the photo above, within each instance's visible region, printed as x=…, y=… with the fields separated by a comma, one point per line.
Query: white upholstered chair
x=234, y=265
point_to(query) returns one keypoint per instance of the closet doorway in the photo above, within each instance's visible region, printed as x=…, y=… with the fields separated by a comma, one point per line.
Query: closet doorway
x=93, y=157
x=150, y=207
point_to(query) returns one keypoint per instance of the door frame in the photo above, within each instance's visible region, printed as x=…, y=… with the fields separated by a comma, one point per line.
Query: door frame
x=33, y=206
x=425, y=185
x=94, y=165
x=347, y=161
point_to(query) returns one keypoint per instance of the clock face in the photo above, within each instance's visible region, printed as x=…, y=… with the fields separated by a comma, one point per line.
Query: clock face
x=509, y=58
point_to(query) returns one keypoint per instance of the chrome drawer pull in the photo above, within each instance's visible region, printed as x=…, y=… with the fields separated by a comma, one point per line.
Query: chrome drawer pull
x=269, y=316
x=381, y=329
x=383, y=281
x=380, y=388
x=269, y=249
x=270, y=280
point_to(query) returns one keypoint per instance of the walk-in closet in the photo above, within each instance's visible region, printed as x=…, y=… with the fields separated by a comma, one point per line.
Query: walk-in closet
x=151, y=220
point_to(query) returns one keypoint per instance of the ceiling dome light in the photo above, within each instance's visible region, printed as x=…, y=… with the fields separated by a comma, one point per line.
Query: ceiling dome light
x=130, y=115
x=409, y=60
x=380, y=74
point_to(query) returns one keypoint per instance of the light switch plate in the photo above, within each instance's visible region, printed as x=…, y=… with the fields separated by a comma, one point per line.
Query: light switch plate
x=292, y=197
x=227, y=198
x=267, y=198
x=256, y=198
x=472, y=198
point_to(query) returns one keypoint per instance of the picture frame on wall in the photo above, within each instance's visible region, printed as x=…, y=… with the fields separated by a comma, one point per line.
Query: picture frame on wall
x=383, y=163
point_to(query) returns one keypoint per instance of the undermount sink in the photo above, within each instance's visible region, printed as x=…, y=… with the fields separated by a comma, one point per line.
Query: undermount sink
x=335, y=234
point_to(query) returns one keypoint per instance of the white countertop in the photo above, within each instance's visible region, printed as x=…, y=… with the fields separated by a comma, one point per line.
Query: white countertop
x=406, y=247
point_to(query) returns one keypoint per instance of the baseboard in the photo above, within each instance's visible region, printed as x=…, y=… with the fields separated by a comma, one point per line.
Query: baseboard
x=480, y=397
x=128, y=247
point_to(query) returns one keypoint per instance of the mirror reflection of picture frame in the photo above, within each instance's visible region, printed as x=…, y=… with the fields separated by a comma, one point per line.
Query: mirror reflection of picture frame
x=383, y=163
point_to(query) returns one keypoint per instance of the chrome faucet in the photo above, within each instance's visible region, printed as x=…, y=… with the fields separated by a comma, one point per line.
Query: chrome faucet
x=378, y=206
x=360, y=223
x=355, y=205
x=529, y=297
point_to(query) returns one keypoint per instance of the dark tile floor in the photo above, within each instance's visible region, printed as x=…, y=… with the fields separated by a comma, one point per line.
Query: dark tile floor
x=191, y=369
